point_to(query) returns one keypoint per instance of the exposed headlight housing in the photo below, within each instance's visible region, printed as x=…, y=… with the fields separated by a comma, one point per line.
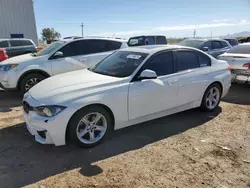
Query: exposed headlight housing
x=4, y=68
x=49, y=111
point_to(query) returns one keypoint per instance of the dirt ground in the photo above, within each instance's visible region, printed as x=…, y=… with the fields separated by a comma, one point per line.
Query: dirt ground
x=188, y=149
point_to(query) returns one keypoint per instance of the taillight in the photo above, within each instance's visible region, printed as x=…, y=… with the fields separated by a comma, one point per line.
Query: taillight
x=229, y=68
x=247, y=65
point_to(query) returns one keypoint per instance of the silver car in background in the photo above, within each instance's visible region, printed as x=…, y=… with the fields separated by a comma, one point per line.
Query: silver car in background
x=239, y=59
x=213, y=47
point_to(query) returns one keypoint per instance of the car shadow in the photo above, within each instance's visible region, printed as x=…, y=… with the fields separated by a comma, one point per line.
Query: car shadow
x=9, y=100
x=23, y=161
x=238, y=94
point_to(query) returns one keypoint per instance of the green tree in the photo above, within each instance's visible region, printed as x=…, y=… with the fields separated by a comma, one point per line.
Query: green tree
x=50, y=35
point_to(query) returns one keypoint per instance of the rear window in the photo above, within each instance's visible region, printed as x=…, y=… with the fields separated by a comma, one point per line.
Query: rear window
x=112, y=45
x=191, y=43
x=240, y=49
x=233, y=42
x=4, y=44
x=161, y=40
x=15, y=43
x=224, y=44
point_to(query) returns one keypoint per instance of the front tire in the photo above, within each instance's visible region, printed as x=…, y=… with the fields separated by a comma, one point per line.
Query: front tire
x=89, y=126
x=211, y=98
x=30, y=80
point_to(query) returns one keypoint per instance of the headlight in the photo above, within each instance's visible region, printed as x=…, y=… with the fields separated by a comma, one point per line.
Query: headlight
x=48, y=111
x=4, y=68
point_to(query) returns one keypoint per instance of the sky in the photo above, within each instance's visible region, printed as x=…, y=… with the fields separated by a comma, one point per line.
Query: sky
x=125, y=18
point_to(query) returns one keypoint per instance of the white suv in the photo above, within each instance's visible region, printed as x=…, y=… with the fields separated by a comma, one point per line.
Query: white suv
x=23, y=72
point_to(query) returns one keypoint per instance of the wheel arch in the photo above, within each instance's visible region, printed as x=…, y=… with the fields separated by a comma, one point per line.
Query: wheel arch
x=220, y=84
x=38, y=71
x=90, y=105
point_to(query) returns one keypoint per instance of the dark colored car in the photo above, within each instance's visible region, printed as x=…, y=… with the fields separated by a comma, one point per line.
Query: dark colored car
x=213, y=47
x=15, y=47
x=147, y=40
x=232, y=41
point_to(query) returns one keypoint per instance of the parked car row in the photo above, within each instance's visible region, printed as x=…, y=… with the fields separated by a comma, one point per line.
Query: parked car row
x=115, y=87
x=15, y=47
x=23, y=72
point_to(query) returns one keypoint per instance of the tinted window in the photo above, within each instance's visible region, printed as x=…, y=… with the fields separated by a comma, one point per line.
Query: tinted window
x=150, y=40
x=224, y=44
x=120, y=63
x=216, y=45
x=4, y=44
x=15, y=43
x=83, y=47
x=187, y=60
x=233, y=42
x=73, y=49
x=161, y=40
x=112, y=45
x=204, y=60
x=94, y=46
x=240, y=49
x=162, y=64
x=26, y=43
x=207, y=44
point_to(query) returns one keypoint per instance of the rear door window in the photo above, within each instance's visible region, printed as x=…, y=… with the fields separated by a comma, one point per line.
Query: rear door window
x=187, y=59
x=161, y=40
x=150, y=40
x=26, y=43
x=216, y=45
x=4, y=44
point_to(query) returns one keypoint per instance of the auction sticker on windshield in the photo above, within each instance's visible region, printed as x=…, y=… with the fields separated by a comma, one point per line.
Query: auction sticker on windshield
x=133, y=56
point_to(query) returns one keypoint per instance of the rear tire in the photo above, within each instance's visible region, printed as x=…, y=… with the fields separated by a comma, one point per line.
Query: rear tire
x=85, y=130
x=211, y=98
x=30, y=80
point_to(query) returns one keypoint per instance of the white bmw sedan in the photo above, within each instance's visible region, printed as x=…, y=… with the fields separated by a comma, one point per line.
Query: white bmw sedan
x=130, y=86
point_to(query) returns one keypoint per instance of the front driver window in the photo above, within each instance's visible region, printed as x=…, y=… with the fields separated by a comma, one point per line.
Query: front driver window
x=162, y=64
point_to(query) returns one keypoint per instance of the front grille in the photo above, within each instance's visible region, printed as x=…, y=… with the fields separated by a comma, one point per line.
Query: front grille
x=26, y=107
x=241, y=72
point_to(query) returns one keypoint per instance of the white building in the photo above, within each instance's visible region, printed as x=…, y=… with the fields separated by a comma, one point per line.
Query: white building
x=17, y=19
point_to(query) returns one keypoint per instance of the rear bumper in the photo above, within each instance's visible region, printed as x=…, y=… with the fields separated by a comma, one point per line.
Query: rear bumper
x=241, y=76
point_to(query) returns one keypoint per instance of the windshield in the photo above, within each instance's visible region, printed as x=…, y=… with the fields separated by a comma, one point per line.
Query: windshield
x=240, y=49
x=120, y=63
x=50, y=48
x=191, y=43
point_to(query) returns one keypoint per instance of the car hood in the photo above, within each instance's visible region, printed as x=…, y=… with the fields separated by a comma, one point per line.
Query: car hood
x=19, y=59
x=70, y=86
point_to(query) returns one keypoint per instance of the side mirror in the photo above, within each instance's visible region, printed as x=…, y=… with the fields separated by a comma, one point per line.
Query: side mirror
x=58, y=54
x=205, y=49
x=147, y=74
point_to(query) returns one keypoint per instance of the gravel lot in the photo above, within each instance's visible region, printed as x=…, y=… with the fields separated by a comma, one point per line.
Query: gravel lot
x=188, y=149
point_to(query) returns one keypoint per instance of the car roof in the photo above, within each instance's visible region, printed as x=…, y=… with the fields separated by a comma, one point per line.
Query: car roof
x=151, y=49
x=98, y=38
x=14, y=39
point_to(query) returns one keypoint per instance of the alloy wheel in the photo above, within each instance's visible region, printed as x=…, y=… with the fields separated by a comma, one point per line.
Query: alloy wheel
x=91, y=128
x=31, y=82
x=212, y=98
